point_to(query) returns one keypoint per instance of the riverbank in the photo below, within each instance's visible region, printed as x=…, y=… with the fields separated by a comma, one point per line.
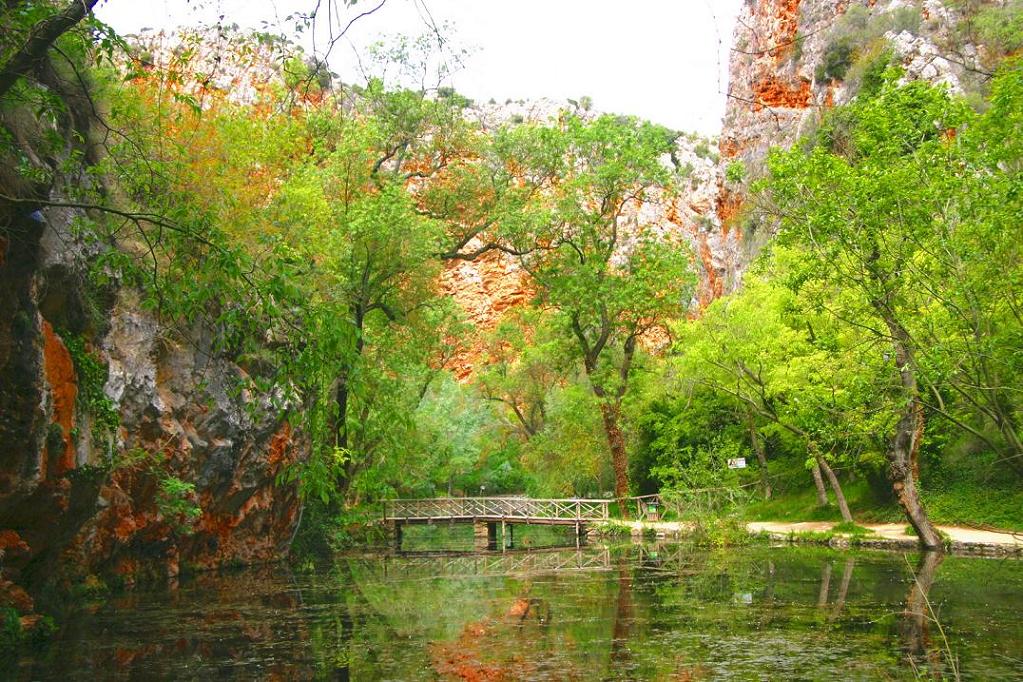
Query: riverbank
x=960, y=539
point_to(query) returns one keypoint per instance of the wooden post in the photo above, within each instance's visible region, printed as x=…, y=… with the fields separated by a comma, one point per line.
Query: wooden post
x=504, y=535
x=480, y=535
x=484, y=535
x=394, y=529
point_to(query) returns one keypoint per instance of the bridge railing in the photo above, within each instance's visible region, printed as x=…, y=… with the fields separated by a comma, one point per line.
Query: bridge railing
x=497, y=508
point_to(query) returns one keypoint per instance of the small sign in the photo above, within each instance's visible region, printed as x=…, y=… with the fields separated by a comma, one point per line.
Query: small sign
x=737, y=463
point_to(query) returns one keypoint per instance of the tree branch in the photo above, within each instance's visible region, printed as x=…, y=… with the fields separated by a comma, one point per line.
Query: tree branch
x=42, y=35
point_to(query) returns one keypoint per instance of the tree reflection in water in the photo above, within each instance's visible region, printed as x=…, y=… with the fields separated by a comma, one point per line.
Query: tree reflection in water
x=620, y=654
x=646, y=613
x=923, y=654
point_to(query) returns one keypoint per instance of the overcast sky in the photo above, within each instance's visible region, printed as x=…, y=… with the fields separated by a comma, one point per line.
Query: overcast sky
x=665, y=60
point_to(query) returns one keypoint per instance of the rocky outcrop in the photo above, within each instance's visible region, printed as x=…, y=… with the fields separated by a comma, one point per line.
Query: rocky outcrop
x=78, y=500
x=779, y=83
x=127, y=447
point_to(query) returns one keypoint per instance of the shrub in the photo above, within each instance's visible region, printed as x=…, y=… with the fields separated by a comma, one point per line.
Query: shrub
x=869, y=72
x=10, y=630
x=838, y=57
x=721, y=532
x=736, y=172
x=855, y=33
x=1001, y=28
x=176, y=504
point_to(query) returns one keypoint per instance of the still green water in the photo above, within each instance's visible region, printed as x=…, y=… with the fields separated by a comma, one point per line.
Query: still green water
x=666, y=612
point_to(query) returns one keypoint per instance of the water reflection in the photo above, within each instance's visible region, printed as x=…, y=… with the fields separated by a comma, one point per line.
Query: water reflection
x=636, y=612
x=922, y=654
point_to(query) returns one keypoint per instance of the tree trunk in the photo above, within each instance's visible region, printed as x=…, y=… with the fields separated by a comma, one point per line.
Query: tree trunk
x=904, y=446
x=39, y=41
x=822, y=494
x=611, y=412
x=758, y=448
x=843, y=588
x=836, y=487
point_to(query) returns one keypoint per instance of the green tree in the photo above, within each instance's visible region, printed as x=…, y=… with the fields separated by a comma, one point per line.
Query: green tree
x=610, y=283
x=863, y=204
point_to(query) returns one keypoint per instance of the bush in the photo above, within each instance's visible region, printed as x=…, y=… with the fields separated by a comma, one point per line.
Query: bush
x=854, y=34
x=322, y=533
x=721, y=532
x=870, y=70
x=1001, y=28
x=10, y=630
x=838, y=57
x=735, y=173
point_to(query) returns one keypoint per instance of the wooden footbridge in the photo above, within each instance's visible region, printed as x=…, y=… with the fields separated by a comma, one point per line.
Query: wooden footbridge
x=486, y=513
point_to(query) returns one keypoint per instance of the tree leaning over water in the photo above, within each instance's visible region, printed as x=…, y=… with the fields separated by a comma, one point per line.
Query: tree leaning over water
x=887, y=206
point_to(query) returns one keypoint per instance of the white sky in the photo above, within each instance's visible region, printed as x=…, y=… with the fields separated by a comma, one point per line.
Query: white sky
x=665, y=60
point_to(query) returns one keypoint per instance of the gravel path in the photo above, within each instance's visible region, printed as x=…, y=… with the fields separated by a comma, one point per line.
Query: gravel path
x=893, y=535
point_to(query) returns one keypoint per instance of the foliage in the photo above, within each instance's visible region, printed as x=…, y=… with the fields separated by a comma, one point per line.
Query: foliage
x=175, y=502
x=175, y=499
x=735, y=172
x=892, y=201
x=857, y=34
x=10, y=629
x=568, y=457
x=92, y=378
x=1000, y=27
x=14, y=639
x=720, y=531
x=309, y=236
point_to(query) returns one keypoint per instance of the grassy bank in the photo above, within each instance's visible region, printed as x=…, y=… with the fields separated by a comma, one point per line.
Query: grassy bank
x=963, y=502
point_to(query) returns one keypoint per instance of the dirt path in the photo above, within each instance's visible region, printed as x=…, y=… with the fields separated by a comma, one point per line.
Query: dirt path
x=962, y=538
x=891, y=535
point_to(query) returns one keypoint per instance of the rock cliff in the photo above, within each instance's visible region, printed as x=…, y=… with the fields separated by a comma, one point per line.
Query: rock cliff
x=125, y=448
x=793, y=59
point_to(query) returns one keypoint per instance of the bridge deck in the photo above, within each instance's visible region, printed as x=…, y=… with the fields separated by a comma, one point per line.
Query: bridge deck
x=507, y=509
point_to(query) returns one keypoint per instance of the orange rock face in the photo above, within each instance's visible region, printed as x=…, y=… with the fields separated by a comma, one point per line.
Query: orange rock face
x=11, y=543
x=60, y=374
x=786, y=14
x=729, y=205
x=729, y=148
x=713, y=287
x=485, y=289
x=773, y=92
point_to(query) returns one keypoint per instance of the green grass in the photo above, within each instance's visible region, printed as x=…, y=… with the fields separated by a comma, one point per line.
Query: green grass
x=848, y=528
x=800, y=504
x=964, y=502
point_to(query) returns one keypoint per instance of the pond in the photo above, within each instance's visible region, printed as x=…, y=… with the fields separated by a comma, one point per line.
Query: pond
x=629, y=612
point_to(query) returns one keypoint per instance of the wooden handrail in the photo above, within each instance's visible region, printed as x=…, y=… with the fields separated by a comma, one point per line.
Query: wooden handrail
x=501, y=497
x=517, y=508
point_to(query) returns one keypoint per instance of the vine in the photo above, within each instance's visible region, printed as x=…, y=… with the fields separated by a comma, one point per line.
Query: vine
x=92, y=377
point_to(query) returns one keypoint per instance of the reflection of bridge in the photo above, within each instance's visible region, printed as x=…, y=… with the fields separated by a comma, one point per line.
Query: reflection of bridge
x=673, y=558
x=518, y=562
x=486, y=512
